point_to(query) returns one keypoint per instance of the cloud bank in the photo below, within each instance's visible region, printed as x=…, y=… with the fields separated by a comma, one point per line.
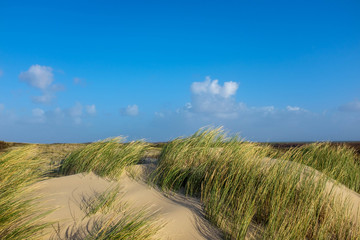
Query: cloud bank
x=215, y=104
x=212, y=103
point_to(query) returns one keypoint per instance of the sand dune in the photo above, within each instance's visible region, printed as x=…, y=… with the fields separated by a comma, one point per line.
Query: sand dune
x=182, y=216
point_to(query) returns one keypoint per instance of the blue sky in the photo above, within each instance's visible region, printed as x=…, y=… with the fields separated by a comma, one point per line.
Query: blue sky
x=79, y=71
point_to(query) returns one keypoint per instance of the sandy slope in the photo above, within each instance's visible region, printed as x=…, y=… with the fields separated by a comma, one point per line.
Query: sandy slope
x=183, y=216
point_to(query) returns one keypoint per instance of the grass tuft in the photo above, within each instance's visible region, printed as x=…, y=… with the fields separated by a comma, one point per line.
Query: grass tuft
x=240, y=187
x=102, y=202
x=19, y=169
x=137, y=225
x=105, y=158
x=340, y=162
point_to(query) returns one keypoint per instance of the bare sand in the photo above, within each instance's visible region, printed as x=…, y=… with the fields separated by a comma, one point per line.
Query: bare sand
x=183, y=216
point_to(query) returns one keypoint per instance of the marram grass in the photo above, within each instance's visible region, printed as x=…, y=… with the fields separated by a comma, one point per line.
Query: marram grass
x=130, y=226
x=19, y=169
x=341, y=162
x=100, y=202
x=105, y=158
x=240, y=187
x=120, y=222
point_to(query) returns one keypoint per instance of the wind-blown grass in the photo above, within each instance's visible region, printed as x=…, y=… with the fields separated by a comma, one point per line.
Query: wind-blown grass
x=18, y=213
x=185, y=161
x=131, y=226
x=105, y=158
x=101, y=202
x=340, y=162
x=239, y=187
x=120, y=222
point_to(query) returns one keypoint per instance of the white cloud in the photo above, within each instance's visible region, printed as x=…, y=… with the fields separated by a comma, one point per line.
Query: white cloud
x=91, y=109
x=353, y=106
x=77, y=113
x=212, y=103
x=130, y=110
x=41, y=77
x=188, y=105
x=38, y=76
x=229, y=88
x=208, y=97
x=292, y=109
x=212, y=87
x=266, y=109
x=212, y=100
